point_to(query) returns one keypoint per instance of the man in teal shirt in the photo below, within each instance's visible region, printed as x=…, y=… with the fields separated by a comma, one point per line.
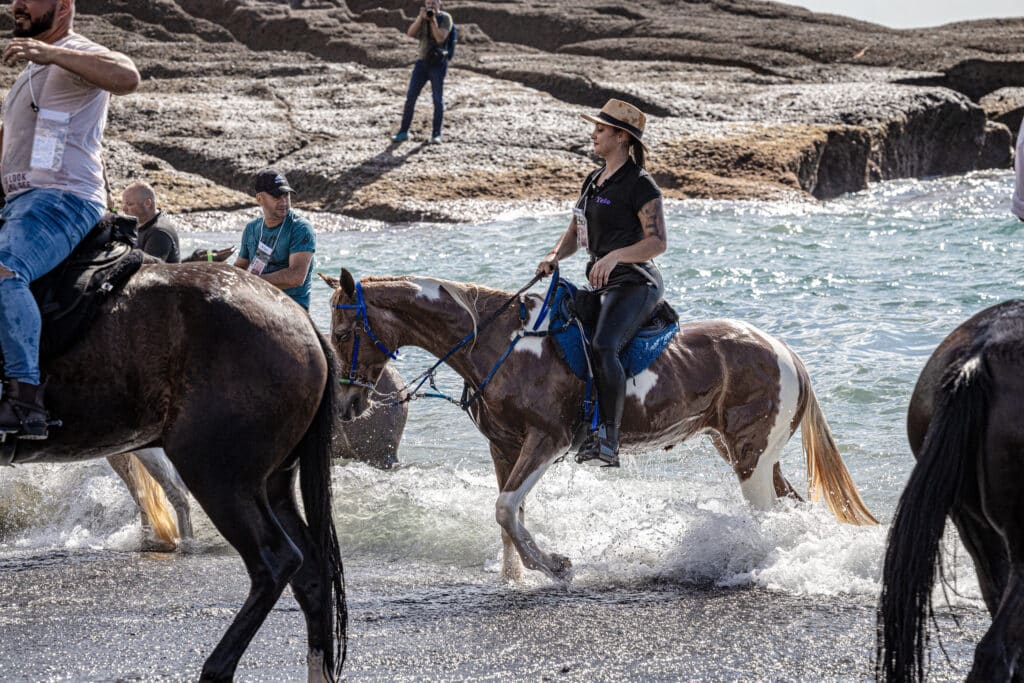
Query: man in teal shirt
x=279, y=246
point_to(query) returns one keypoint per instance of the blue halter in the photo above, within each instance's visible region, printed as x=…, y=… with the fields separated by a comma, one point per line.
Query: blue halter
x=360, y=308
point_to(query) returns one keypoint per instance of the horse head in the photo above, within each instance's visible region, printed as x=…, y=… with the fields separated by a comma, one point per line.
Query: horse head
x=361, y=352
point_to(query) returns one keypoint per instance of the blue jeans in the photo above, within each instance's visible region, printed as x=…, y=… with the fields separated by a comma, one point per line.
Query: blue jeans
x=421, y=73
x=41, y=227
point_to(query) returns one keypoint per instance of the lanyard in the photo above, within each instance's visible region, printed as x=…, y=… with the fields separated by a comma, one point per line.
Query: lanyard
x=586, y=192
x=277, y=238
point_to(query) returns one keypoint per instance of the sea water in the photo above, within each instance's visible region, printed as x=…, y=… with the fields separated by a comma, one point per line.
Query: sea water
x=862, y=288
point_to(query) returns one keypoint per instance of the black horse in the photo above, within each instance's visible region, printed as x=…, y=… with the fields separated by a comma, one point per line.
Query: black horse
x=233, y=380
x=967, y=434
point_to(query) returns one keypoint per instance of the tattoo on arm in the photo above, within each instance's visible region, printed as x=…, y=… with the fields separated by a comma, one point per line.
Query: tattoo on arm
x=652, y=218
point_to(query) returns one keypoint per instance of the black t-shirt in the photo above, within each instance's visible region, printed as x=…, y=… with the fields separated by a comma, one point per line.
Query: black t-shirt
x=159, y=238
x=611, y=210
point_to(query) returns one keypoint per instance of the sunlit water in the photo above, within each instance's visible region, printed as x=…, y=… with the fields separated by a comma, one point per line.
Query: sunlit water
x=862, y=288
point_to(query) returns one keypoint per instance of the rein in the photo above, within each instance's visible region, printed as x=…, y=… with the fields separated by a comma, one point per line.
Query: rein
x=404, y=395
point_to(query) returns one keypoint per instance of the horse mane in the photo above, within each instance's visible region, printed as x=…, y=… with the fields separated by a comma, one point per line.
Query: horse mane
x=466, y=294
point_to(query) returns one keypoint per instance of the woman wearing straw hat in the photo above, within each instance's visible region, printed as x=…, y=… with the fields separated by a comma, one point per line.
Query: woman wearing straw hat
x=618, y=220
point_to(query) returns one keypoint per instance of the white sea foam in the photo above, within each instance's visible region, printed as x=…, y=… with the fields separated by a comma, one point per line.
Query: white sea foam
x=859, y=288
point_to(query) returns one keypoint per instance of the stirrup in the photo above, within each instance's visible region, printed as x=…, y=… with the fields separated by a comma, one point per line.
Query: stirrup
x=29, y=429
x=598, y=450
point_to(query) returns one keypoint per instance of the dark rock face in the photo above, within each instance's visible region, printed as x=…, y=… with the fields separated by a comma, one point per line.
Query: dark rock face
x=1005, y=106
x=746, y=99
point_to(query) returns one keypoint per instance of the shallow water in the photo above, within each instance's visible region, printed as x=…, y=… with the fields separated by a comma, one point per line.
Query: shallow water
x=676, y=578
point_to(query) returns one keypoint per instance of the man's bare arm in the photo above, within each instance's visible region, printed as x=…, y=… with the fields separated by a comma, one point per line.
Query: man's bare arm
x=109, y=70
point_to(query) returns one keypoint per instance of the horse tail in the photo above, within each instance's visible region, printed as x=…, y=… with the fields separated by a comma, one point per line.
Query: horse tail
x=955, y=436
x=314, y=452
x=826, y=472
x=153, y=502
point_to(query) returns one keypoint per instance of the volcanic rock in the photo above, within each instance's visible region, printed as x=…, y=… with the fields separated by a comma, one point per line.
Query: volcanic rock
x=746, y=99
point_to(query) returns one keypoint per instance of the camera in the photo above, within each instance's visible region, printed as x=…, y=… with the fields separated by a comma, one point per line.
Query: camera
x=430, y=13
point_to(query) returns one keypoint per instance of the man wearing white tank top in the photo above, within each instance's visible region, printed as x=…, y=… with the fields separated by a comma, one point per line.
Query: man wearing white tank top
x=53, y=121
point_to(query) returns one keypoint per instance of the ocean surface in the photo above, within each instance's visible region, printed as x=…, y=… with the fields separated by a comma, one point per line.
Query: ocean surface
x=676, y=578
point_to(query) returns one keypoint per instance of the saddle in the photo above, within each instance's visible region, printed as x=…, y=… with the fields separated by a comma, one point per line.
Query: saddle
x=70, y=295
x=570, y=303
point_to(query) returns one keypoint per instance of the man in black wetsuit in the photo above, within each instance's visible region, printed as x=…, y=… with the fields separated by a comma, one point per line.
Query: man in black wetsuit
x=157, y=235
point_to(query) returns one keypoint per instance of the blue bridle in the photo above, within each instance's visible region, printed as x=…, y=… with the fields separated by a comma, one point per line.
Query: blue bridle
x=360, y=308
x=428, y=376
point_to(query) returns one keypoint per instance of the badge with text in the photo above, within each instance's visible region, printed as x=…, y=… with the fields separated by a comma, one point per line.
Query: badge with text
x=262, y=258
x=50, y=139
x=582, y=240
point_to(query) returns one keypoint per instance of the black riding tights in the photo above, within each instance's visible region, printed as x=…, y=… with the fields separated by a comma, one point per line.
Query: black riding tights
x=624, y=309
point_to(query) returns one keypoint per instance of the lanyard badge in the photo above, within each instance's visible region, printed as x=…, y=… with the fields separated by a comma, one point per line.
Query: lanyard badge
x=580, y=213
x=50, y=138
x=262, y=258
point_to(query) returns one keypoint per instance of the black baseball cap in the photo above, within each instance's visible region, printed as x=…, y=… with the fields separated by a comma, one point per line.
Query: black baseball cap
x=273, y=182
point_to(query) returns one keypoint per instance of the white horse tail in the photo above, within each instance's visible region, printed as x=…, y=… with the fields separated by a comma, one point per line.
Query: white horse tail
x=827, y=475
x=153, y=502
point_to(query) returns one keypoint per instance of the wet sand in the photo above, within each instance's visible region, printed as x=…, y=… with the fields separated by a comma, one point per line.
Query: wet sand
x=109, y=616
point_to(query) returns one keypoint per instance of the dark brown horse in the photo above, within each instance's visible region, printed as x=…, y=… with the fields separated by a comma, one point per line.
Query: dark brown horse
x=729, y=379
x=966, y=430
x=231, y=378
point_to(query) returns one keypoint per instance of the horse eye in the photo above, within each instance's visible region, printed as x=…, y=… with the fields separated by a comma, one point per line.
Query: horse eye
x=343, y=336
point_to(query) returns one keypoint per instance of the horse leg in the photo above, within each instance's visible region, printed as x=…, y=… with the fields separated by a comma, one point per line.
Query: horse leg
x=759, y=475
x=121, y=464
x=160, y=468
x=511, y=564
x=244, y=517
x=783, y=489
x=990, y=518
x=158, y=528
x=534, y=458
x=998, y=654
x=307, y=586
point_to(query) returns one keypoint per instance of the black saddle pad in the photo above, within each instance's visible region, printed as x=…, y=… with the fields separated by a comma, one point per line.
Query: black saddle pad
x=70, y=295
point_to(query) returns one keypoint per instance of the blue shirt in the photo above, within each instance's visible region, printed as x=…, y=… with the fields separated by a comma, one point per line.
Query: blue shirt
x=295, y=234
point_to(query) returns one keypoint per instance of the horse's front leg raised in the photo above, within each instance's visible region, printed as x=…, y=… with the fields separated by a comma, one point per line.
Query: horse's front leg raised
x=536, y=454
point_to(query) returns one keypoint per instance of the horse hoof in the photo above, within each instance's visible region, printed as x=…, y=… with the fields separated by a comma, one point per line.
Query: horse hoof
x=562, y=569
x=157, y=546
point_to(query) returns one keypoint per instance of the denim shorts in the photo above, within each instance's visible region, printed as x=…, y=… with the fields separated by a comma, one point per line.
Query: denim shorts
x=41, y=227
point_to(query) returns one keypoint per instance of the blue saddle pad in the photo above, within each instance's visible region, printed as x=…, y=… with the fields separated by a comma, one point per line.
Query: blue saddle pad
x=638, y=354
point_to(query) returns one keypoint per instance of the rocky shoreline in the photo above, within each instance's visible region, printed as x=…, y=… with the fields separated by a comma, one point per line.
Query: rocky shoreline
x=748, y=99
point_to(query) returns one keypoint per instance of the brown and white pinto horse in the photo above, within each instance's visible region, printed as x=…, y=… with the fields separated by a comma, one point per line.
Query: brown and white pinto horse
x=727, y=378
x=966, y=431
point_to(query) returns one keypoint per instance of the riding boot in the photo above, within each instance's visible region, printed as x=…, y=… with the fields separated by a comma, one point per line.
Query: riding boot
x=22, y=411
x=601, y=447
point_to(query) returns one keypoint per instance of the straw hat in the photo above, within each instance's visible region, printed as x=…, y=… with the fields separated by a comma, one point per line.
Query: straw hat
x=622, y=115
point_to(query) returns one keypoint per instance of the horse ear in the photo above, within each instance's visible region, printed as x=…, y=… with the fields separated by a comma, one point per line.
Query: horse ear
x=332, y=281
x=348, y=283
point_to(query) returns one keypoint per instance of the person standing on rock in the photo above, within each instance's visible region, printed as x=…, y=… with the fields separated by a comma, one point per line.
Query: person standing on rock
x=618, y=219
x=53, y=121
x=432, y=27
x=279, y=245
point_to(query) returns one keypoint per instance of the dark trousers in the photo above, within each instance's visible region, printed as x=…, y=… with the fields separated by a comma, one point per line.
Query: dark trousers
x=624, y=310
x=421, y=73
